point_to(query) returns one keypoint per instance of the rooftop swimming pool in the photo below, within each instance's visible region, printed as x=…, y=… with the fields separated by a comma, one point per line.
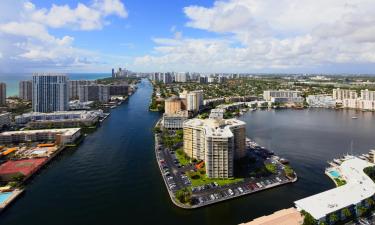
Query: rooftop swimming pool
x=334, y=174
x=4, y=197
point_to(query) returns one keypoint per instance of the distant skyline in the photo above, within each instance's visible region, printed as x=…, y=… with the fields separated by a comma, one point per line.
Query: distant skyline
x=246, y=36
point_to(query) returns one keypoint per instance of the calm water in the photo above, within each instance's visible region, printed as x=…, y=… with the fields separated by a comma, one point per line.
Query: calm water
x=12, y=79
x=112, y=178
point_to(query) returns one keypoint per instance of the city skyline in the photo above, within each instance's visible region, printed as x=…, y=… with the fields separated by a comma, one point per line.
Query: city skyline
x=245, y=36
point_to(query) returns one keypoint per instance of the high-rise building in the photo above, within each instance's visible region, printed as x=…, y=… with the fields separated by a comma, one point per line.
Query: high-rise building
x=194, y=100
x=368, y=95
x=74, y=87
x=96, y=92
x=50, y=92
x=25, y=88
x=217, y=142
x=180, y=77
x=119, y=89
x=172, y=105
x=3, y=94
x=341, y=94
x=113, y=73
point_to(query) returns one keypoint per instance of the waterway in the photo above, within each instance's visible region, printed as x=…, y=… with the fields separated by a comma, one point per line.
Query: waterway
x=113, y=179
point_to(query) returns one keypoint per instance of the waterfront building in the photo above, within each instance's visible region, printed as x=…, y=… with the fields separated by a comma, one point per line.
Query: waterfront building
x=194, y=100
x=214, y=101
x=25, y=89
x=119, y=90
x=26, y=167
x=172, y=105
x=5, y=120
x=59, y=136
x=358, y=188
x=324, y=101
x=3, y=94
x=74, y=86
x=217, y=114
x=217, y=142
x=77, y=105
x=50, y=92
x=341, y=94
x=174, y=121
x=96, y=92
x=368, y=95
x=167, y=78
x=289, y=216
x=59, y=119
x=283, y=96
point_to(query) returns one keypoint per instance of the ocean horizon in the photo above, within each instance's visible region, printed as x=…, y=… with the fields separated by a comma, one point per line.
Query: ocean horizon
x=12, y=79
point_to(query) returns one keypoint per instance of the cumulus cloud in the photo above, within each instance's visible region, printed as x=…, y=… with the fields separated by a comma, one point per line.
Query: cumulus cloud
x=27, y=41
x=272, y=34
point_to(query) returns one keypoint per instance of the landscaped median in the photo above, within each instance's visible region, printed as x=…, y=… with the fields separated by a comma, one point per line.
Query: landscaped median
x=199, y=178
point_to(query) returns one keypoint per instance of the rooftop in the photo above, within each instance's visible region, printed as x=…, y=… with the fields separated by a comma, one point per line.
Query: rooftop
x=24, y=166
x=67, y=131
x=285, y=217
x=357, y=188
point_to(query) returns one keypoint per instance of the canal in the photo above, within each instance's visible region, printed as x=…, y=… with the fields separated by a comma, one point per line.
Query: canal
x=112, y=178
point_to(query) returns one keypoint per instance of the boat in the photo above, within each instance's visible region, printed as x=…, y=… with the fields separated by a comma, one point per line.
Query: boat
x=354, y=117
x=283, y=161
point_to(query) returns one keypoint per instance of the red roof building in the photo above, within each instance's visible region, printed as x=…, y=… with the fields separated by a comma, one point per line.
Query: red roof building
x=25, y=167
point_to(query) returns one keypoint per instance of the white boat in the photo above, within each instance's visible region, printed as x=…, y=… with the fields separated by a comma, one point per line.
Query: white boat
x=354, y=117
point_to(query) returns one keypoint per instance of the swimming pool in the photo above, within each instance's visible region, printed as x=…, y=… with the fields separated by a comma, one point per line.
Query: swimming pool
x=4, y=196
x=334, y=174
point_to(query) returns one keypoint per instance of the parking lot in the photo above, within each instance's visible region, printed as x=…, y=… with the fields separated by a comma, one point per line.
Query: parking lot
x=175, y=178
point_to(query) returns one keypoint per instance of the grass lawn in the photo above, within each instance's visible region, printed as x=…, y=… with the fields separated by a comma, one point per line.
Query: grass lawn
x=198, y=179
x=182, y=157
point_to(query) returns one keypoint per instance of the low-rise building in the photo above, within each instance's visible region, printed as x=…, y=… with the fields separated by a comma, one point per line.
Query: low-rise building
x=59, y=136
x=175, y=121
x=323, y=101
x=288, y=95
x=60, y=119
x=5, y=120
x=217, y=114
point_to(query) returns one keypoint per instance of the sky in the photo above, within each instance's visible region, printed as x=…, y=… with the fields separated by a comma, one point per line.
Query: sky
x=242, y=36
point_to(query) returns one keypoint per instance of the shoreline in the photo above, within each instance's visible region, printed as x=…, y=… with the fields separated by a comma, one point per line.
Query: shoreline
x=187, y=206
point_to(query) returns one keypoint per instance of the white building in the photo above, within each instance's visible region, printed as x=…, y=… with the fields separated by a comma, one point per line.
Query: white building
x=194, y=100
x=174, y=121
x=341, y=94
x=61, y=115
x=358, y=188
x=283, y=96
x=25, y=88
x=324, y=101
x=180, y=77
x=217, y=114
x=50, y=92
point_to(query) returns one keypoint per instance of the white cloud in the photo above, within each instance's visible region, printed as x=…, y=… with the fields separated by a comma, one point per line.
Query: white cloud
x=272, y=34
x=82, y=17
x=27, y=43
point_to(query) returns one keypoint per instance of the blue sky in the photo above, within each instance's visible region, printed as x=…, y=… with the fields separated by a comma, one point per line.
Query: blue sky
x=185, y=35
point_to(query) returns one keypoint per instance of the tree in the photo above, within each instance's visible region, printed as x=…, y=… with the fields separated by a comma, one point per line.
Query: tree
x=347, y=213
x=333, y=218
x=183, y=195
x=308, y=219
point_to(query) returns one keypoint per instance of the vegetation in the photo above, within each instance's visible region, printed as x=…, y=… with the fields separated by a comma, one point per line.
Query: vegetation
x=18, y=177
x=289, y=171
x=271, y=168
x=340, y=182
x=347, y=213
x=370, y=171
x=182, y=157
x=183, y=195
x=199, y=178
x=308, y=219
x=333, y=218
x=172, y=140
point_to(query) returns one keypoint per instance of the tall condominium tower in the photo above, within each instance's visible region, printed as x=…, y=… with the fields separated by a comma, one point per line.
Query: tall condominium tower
x=50, y=92
x=74, y=86
x=194, y=100
x=3, y=94
x=25, y=88
x=217, y=142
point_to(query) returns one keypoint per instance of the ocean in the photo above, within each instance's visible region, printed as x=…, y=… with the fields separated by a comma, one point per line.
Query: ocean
x=12, y=79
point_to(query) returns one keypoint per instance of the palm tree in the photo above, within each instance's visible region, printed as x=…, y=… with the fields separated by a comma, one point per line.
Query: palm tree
x=347, y=213
x=333, y=218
